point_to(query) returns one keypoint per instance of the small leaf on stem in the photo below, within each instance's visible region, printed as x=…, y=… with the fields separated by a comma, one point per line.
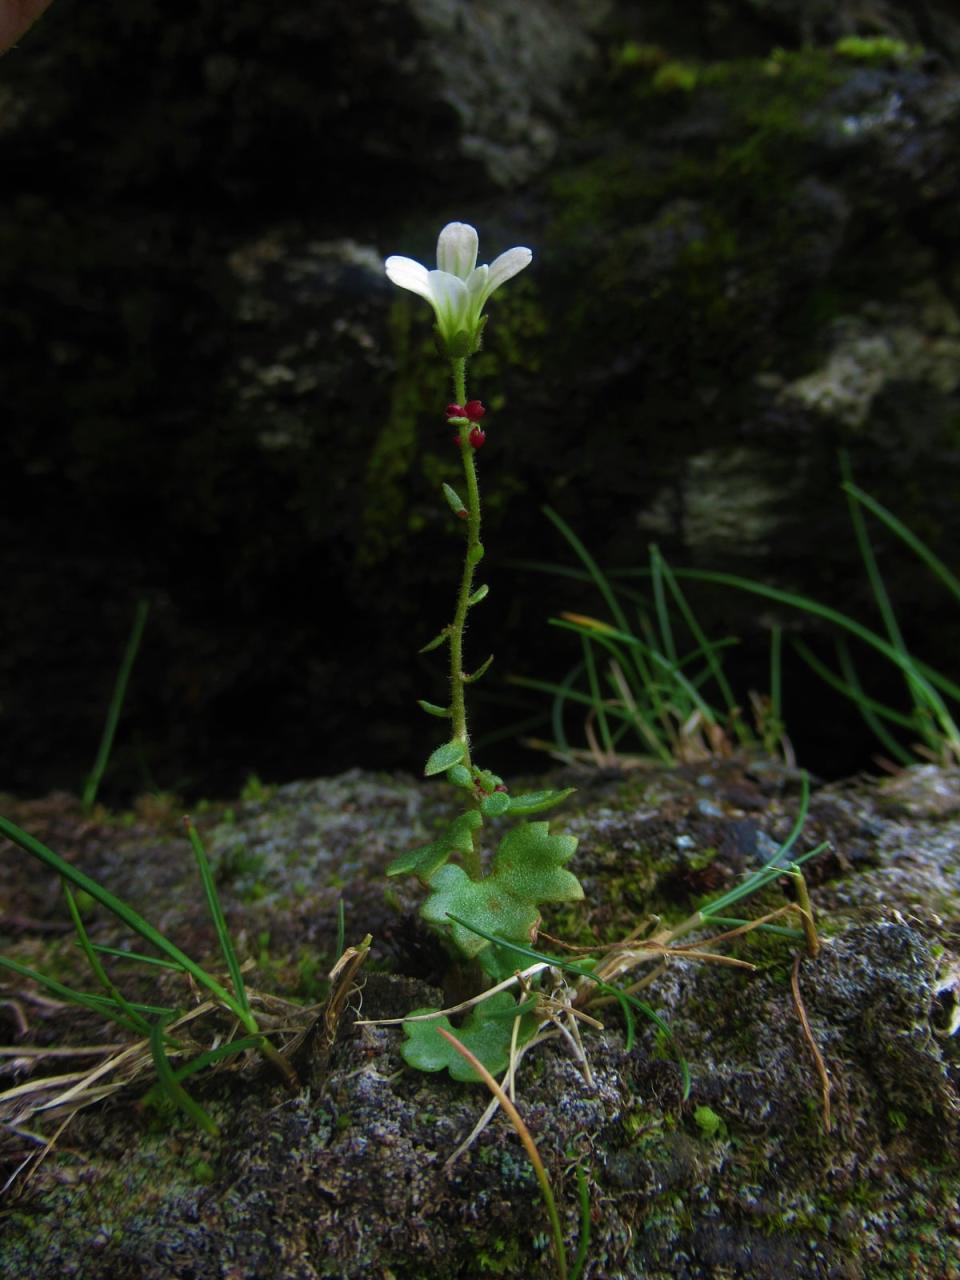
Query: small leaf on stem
x=432, y=709
x=441, y=759
x=455, y=501
x=494, y=805
x=538, y=801
x=437, y=641
x=475, y=675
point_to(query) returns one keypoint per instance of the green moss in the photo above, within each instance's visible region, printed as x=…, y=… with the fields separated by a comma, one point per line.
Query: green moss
x=675, y=77
x=702, y=858
x=641, y=57
x=690, y=220
x=876, y=49
x=709, y=1123
x=117, y=1188
x=502, y=1257
x=256, y=792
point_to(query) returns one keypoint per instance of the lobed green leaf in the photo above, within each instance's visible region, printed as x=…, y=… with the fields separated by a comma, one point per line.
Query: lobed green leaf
x=527, y=870
x=428, y=858
x=486, y=1033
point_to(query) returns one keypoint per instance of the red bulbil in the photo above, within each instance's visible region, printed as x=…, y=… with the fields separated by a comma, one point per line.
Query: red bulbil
x=477, y=437
x=474, y=410
x=456, y=411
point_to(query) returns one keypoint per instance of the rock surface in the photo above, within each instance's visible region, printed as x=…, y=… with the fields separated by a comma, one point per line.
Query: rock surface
x=348, y=1178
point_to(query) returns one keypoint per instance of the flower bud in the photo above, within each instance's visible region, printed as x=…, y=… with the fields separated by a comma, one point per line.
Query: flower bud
x=474, y=410
x=455, y=411
x=477, y=437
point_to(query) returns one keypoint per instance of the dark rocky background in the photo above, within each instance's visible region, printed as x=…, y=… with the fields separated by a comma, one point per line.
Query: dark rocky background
x=747, y=256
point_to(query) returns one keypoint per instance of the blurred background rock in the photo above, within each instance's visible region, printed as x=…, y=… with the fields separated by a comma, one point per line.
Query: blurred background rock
x=745, y=225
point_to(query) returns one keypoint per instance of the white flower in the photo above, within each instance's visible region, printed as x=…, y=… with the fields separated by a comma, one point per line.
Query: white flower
x=458, y=290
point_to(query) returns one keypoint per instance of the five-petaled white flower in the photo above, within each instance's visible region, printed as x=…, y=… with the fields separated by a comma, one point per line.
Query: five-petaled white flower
x=458, y=290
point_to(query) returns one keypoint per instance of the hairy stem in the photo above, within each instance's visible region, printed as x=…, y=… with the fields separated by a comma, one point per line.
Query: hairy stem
x=473, y=553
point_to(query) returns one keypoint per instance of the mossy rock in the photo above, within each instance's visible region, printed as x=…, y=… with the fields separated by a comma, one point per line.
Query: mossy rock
x=347, y=1177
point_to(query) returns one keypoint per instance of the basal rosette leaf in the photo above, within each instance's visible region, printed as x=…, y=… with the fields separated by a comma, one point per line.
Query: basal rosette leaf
x=486, y=1033
x=528, y=869
x=485, y=902
x=425, y=860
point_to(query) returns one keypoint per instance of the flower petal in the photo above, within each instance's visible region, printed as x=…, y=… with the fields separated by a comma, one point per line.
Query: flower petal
x=503, y=268
x=477, y=281
x=450, y=300
x=457, y=249
x=409, y=275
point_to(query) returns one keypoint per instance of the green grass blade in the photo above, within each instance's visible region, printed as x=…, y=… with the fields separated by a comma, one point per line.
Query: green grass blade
x=643, y=692
x=560, y=699
x=798, y=823
x=94, y=778
x=756, y=881
x=933, y=562
x=660, y=604
x=595, y=694
x=772, y=869
x=570, y=695
x=805, y=604
x=123, y=912
x=597, y=575
x=583, y=1244
x=850, y=686
x=707, y=647
x=872, y=712
x=136, y=956
x=219, y=920
x=680, y=680
x=172, y=1086
x=736, y=922
x=917, y=688
x=99, y=972
x=210, y=1056
x=99, y=1004
x=877, y=584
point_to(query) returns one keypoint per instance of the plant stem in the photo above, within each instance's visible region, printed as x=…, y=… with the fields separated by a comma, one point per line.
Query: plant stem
x=472, y=556
x=92, y=784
